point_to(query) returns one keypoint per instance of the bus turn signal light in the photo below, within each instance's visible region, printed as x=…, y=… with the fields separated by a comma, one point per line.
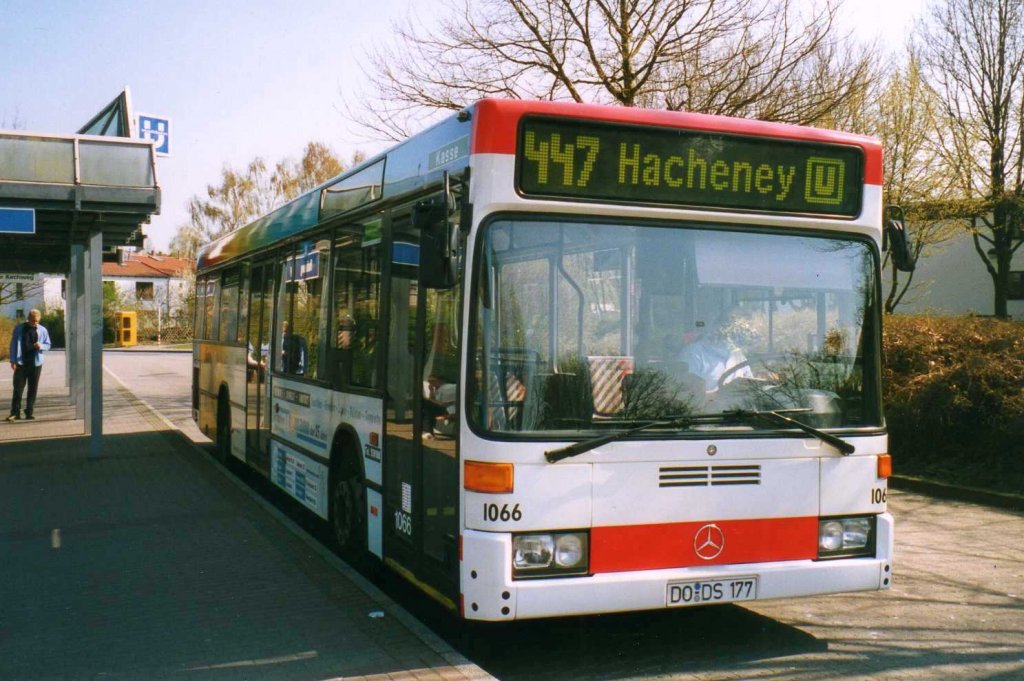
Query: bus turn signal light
x=489, y=478
x=884, y=466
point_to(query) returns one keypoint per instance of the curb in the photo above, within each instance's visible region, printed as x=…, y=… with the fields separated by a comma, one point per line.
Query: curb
x=148, y=348
x=942, y=490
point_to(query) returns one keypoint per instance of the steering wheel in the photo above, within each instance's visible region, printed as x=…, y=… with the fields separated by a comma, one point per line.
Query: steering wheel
x=723, y=379
x=760, y=360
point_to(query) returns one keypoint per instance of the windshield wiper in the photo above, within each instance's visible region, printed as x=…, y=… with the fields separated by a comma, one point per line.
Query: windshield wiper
x=554, y=455
x=844, y=447
x=779, y=416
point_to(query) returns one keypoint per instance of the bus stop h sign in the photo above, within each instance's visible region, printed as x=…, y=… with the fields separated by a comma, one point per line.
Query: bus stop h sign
x=156, y=130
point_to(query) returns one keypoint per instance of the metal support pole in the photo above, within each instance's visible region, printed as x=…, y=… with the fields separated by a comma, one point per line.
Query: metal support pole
x=68, y=278
x=80, y=324
x=94, y=354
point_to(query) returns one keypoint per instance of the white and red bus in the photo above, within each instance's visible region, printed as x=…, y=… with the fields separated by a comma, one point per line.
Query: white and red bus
x=546, y=359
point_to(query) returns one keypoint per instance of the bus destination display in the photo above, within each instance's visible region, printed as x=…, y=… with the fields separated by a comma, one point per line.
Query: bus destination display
x=572, y=158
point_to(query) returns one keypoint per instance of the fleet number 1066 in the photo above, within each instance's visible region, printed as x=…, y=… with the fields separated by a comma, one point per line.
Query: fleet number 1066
x=502, y=512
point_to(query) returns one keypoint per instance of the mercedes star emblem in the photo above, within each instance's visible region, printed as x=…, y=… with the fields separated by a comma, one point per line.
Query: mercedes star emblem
x=708, y=542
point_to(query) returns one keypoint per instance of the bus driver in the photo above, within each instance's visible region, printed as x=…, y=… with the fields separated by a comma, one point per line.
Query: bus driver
x=710, y=352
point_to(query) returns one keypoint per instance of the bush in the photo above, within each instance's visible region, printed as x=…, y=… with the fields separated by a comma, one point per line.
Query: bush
x=954, y=392
x=6, y=329
x=53, y=320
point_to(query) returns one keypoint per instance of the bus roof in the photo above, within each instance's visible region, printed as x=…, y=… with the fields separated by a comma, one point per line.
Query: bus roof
x=411, y=166
x=488, y=127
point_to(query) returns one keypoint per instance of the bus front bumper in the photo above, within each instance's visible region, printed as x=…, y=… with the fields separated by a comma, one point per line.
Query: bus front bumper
x=490, y=593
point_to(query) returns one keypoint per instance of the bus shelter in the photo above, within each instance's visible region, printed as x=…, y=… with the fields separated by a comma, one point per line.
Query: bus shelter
x=65, y=201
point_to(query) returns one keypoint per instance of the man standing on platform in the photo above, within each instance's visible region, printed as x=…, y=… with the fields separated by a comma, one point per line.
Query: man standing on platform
x=28, y=343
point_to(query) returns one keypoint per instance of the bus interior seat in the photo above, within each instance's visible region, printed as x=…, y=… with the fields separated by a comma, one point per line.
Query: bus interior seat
x=607, y=375
x=507, y=395
x=569, y=396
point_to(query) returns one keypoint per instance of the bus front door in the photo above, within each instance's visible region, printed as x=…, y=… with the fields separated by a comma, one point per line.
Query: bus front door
x=420, y=466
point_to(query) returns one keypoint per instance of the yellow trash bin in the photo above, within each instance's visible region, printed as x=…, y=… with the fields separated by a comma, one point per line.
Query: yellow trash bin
x=125, y=329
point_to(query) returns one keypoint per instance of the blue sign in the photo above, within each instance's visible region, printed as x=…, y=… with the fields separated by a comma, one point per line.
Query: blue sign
x=404, y=253
x=158, y=131
x=17, y=221
x=303, y=267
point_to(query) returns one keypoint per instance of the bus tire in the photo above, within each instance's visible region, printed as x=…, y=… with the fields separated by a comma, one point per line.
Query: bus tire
x=222, y=445
x=347, y=507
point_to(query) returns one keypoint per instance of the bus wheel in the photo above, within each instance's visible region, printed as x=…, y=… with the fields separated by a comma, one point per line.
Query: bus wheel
x=222, y=446
x=347, y=510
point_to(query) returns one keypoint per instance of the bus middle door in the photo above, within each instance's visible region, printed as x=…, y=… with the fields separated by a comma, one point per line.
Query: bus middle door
x=257, y=380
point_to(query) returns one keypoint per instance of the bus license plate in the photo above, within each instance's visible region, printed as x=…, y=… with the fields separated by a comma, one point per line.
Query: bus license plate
x=698, y=591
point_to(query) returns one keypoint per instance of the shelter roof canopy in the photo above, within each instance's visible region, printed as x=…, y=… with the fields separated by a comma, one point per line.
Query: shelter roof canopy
x=77, y=185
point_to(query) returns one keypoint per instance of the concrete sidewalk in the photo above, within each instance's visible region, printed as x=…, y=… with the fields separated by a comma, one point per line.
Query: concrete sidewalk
x=153, y=563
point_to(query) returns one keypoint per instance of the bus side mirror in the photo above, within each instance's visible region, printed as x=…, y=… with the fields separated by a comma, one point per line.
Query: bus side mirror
x=439, y=240
x=895, y=240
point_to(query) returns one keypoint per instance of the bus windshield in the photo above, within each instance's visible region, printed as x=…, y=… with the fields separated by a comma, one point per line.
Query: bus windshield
x=583, y=326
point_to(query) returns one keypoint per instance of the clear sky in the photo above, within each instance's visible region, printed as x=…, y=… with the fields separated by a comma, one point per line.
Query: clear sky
x=238, y=78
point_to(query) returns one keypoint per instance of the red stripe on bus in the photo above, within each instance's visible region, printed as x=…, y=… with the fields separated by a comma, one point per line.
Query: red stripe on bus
x=496, y=122
x=673, y=545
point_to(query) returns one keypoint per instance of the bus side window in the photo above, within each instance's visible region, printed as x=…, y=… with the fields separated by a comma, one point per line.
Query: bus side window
x=356, y=309
x=441, y=362
x=209, y=320
x=286, y=360
x=229, y=306
x=199, y=332
x=302, y=286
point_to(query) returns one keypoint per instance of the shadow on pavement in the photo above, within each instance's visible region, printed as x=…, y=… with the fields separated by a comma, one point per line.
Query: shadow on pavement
x=635, y=644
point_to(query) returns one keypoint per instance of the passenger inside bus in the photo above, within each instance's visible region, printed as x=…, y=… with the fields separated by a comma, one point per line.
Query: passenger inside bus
x=293, y=352
x=343, y=346
x=256, y=363
x=355, y=350
x=439, y=399
x=346, y=330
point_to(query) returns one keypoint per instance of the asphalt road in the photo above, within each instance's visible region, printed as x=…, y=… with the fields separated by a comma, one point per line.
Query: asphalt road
x=956, y=608
x=161, y=379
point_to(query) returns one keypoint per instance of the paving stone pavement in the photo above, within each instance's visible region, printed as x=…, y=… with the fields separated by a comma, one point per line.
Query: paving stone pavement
x=151, y=563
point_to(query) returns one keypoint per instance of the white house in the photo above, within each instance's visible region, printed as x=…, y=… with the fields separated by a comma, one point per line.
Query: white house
x=20, y=293
x=952, y=280
x=145, y=279
x=151, y=281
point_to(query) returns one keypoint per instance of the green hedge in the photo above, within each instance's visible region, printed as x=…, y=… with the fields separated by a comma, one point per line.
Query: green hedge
x=954, y=394
x=54, y=323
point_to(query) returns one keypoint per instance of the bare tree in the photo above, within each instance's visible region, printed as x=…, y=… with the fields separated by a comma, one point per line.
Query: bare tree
x=16, y=122
x=244, y=195
x=187, y=241
x=777, y=65
x=317, y=165
x=737, y=57
x=974, y=54
x=240, y=198
x=908, y=120
x=12, y=292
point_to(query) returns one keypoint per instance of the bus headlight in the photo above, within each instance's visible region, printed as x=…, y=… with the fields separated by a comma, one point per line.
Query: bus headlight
x=553, y=554
x=845, y=537
x=569, y=550
x=532, y=551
